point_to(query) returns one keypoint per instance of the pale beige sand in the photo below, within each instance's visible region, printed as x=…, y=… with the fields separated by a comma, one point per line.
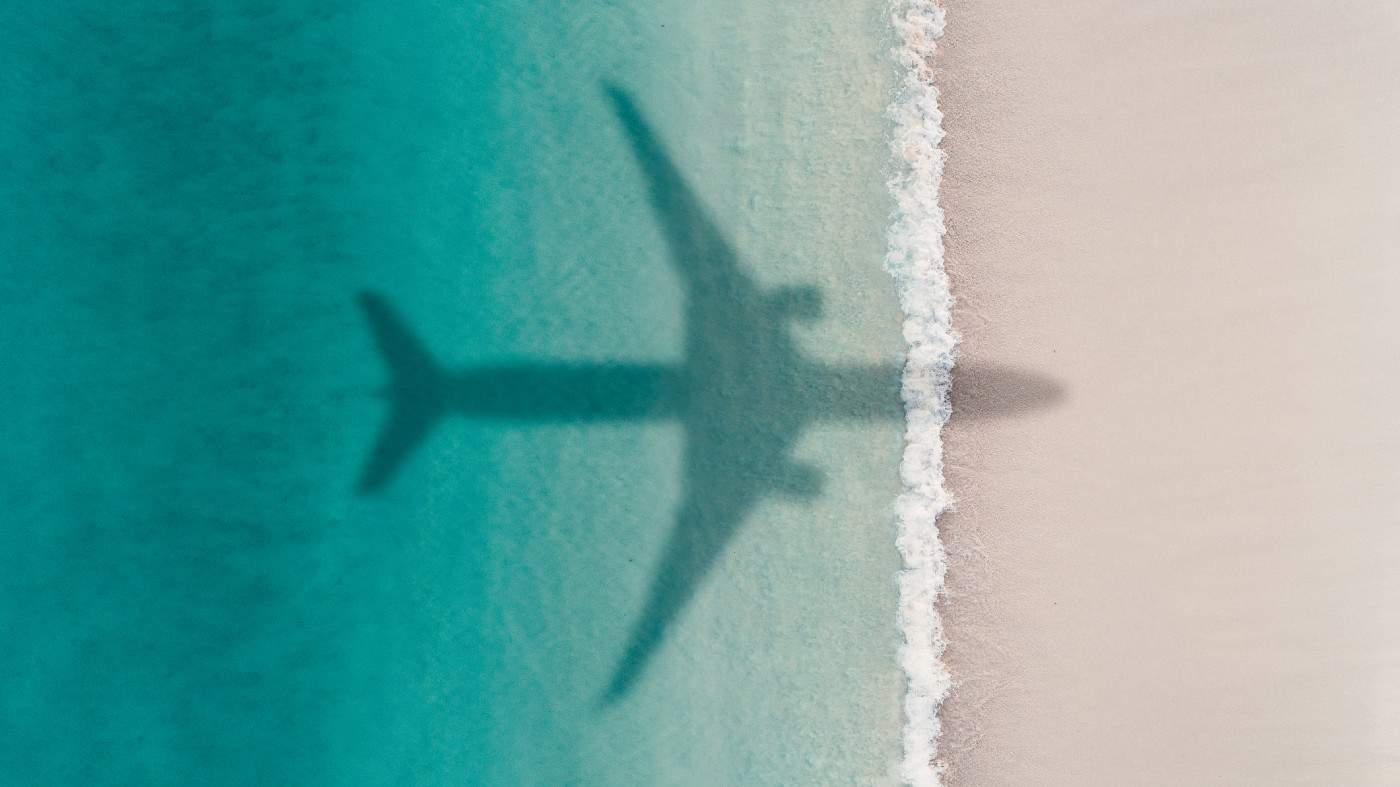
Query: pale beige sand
x=1186, y=571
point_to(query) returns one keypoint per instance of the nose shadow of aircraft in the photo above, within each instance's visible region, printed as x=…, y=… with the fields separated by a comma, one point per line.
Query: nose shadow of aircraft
x=743, y=393
x=991, y=391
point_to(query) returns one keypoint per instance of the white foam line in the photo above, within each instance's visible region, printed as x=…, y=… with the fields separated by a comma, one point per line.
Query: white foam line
x=915, y=260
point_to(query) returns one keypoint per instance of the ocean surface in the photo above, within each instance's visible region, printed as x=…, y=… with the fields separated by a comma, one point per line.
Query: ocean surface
x=457, y=393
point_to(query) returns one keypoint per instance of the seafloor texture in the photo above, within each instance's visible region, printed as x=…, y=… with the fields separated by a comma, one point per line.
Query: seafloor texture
x=390, y=401
x=1185, y=215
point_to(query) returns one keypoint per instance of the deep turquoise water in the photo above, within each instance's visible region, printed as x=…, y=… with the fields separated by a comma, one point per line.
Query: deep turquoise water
x=197, y=199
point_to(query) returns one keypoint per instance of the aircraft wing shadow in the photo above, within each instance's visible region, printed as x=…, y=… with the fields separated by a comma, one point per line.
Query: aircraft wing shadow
x=702, y=257
x=740, y=372
x=694, y=545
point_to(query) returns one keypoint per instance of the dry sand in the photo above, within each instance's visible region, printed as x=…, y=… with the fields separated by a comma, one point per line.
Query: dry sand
x=1185, y=571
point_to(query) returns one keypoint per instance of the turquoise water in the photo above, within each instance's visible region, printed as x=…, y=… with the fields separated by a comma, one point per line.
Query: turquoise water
x=203, y=204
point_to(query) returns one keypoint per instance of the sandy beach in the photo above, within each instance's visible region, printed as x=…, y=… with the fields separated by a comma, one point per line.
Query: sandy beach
x=1186, y=217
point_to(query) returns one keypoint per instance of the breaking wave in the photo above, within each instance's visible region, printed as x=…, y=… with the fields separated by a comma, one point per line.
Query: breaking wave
x=915, y=260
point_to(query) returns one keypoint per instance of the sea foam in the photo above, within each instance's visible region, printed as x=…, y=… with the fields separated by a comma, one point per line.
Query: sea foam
x=915, y=260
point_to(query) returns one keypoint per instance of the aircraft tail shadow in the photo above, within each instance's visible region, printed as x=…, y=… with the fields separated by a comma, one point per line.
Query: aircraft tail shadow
x=418, y=393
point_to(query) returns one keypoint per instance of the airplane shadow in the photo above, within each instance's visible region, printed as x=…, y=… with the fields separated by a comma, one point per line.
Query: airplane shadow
x=743, y=393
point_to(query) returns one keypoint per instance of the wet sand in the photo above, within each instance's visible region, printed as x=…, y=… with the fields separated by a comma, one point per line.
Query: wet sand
x=1184, y=216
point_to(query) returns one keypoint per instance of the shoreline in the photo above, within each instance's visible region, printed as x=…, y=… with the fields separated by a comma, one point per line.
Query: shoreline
x=915, y=261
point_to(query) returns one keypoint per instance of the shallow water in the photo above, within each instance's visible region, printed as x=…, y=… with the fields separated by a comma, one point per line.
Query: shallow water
x=200, y=203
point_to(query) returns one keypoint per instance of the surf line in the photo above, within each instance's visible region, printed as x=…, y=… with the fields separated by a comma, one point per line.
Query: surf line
x=914, y=257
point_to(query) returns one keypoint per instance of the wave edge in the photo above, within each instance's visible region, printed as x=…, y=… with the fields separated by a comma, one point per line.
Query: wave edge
x=915, y=259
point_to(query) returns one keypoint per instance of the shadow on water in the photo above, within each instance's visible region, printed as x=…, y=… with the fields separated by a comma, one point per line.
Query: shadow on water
x=743, y=393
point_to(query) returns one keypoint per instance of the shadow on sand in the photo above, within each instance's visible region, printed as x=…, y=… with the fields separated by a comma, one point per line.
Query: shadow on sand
x=743, y=393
